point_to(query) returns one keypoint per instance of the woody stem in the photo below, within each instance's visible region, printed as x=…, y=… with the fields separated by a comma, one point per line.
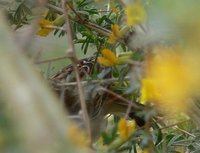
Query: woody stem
x=72, y=55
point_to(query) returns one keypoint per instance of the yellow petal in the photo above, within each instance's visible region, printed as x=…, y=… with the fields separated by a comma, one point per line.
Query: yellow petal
x=112, y=38
x=44, y=30
x=77, y=136
x=126, y=128
x=104, y=61
x=148, y=91
x=44, y=23
x=109, y=55
x=122, y=128
x=135, y=14
x=172, y=78
x=131, y=126
x=116, y=31
x=115, y=34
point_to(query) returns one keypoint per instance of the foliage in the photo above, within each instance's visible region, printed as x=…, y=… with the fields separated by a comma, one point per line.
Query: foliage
x=153, y=72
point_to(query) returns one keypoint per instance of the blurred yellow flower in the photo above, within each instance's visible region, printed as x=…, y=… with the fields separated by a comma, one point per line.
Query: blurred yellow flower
x=108, y=59
x=135, y=14
x=115, y=34
x=126, y=128
x=146, y=86
x=171, y=78
x=77, y=136
x=45, y=28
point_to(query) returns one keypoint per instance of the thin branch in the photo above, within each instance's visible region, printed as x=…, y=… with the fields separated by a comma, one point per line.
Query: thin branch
x=73, y=10
x=91, y=81
x=188, y=133
x=51, y=60
x=72, y=55
x=128, y=111
x=172, y=125
x=86, y=23
x=131, y=103
x=55, y=8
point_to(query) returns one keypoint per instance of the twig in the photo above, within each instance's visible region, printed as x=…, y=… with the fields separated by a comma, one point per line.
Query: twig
x=51, y=60
x=131, y=103
x=86, y=23
x=91, y=81
x=192, y=135
x=72, y=55
x=55, y=8
x=73, y=10
x=128, y=111
x=172, y=125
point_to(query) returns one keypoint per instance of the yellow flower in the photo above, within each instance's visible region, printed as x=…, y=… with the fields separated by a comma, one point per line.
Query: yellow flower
x=108, y=59
x=135, y=14
x=115, y=34
x=126, y=128
x=45, y=28
x=77, y=136
x=171, y=78
x=148, y=91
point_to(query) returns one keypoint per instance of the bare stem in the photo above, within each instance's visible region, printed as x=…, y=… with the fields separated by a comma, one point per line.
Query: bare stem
x=184, y=131
x=50, y=60
x=173, y=125
x=72, y=55
x=130, y=103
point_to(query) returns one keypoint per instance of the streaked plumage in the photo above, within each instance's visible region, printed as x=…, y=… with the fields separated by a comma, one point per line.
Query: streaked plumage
x=98, y=103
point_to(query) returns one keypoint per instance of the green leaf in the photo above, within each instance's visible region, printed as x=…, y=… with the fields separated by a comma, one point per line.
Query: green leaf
x=157, y=133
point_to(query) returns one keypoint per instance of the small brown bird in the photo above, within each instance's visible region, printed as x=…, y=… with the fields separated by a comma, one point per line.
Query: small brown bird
x=98, y=102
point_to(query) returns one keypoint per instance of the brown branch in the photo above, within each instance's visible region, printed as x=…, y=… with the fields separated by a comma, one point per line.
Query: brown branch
x=72, y=55
x=131, y=103
x=87, y=24
x=74, y=11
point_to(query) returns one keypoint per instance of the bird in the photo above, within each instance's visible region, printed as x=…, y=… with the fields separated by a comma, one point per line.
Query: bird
x=98, y=102
x=69, y=94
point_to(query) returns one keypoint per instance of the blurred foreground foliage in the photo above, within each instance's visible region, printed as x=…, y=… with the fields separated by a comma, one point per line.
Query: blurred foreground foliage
x=152, y=50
